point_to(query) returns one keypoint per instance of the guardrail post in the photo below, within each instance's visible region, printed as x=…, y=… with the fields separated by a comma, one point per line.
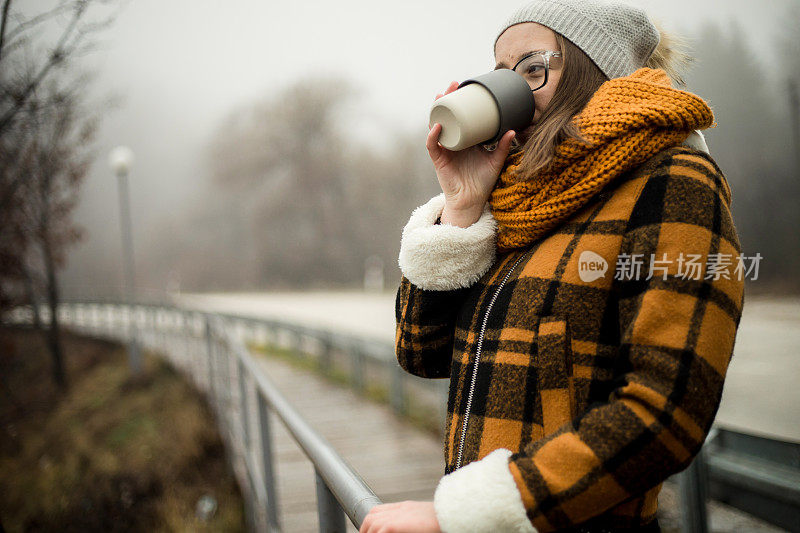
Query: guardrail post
x=243, y=406
x=222, y=385
x=197, y=372
x=357, y=369
x=268, y=464
x=212, y=363
x=224, y=389
x=154, y=325
x=298, y=342
x=144, y=332
x=227, y=394
x=331, y=516
x=162, y=328
x=324, y=362
x=184, y=342
x=693, y=491
x=180, y=340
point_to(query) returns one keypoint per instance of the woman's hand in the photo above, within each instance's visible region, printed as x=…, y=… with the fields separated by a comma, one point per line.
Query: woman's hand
x=467, y=176
x=403, y=517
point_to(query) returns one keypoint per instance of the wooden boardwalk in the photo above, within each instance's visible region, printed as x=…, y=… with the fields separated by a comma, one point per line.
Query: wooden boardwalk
x=396, y=459
x=399, y=461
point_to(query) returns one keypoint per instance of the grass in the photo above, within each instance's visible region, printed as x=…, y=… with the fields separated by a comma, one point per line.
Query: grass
x=108, y=453
x=421, y=415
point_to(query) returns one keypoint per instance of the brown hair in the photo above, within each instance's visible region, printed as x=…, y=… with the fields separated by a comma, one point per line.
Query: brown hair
x=580, y=78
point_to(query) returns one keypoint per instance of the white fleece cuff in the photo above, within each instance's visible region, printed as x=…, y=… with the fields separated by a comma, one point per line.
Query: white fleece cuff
x=446, y=257
x=481, y=497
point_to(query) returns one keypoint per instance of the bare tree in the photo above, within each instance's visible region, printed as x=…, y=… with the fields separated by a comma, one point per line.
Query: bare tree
x=302, y=204
x=59, y=162
x=74, y=40
x=283, y=157
x=294, y=201
x=45, y=132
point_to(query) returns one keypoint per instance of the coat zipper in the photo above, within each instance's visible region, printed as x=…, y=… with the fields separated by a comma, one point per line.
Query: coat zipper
x=478, y=358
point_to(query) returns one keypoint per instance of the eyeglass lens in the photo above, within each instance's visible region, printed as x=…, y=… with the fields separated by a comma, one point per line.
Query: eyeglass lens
x=533, y=69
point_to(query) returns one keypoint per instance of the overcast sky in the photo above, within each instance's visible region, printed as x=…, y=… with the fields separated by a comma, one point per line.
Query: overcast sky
x=182, y=65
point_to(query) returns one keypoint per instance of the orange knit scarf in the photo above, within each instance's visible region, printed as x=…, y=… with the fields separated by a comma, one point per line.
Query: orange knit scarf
x=627, y=120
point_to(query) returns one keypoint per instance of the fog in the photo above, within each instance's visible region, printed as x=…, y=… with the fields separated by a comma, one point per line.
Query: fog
x=181, y=66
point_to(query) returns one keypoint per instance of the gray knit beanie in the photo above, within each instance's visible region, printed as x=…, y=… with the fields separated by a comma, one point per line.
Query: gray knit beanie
x=618, y=37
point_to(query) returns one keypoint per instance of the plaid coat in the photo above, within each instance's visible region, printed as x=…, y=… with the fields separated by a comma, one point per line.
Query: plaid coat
x=592, y=386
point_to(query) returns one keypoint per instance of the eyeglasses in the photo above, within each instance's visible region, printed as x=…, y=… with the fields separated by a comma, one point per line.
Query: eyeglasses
x=535, y=67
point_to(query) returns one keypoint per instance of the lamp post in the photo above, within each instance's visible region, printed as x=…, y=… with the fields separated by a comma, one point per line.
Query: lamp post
x=121, y=159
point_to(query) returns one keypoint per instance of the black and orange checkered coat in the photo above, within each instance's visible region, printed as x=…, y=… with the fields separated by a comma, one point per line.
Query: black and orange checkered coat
x=574, y=393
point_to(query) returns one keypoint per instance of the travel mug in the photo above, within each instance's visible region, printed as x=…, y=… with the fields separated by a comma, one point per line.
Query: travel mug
x=482, y=109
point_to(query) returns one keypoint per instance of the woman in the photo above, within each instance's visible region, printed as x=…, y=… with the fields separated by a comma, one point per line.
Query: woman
x=570, y=287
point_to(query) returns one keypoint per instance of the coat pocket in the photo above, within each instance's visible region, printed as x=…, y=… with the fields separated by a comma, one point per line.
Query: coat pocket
x=553, y=362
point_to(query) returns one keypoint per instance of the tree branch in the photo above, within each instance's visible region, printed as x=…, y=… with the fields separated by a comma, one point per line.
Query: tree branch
x=6, y=7
x=58, y=55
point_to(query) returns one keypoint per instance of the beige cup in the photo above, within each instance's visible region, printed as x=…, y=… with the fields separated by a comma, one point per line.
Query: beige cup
x=468, y=116
x=482, y=109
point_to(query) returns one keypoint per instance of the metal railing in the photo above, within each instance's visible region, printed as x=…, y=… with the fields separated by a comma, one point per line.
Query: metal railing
x=209, y=348
x=210, y=351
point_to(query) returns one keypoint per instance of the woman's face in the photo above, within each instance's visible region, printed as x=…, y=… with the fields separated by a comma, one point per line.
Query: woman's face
x=518, y=41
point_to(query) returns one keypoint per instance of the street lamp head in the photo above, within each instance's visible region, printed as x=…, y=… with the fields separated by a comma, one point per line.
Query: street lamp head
x=121, y=159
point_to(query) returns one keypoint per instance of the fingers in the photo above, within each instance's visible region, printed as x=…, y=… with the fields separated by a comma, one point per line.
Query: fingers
x=503, y=146
x=432, y=144
x=505, y=142
x=369, y=525
x=385, y=507
x=450, y=88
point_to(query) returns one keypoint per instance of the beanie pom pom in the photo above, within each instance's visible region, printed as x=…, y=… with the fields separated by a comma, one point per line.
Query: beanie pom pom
x=671, y=55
